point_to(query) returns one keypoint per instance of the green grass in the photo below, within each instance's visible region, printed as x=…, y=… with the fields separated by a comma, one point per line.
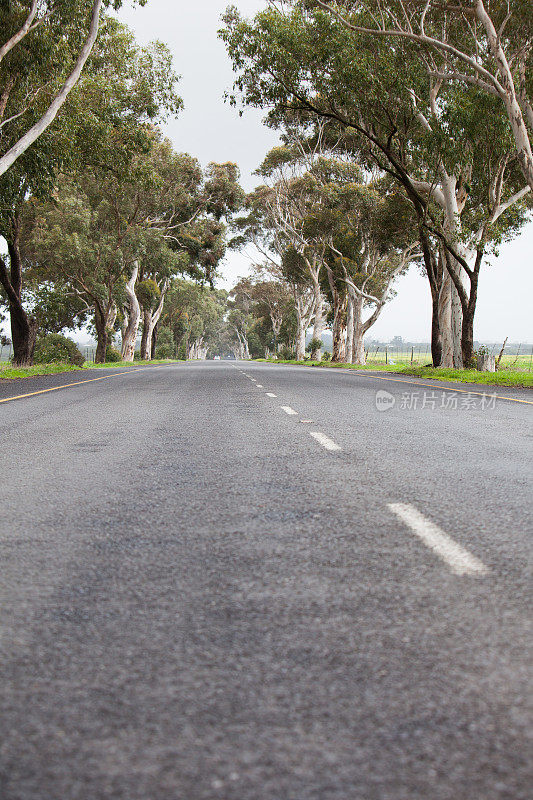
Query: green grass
x=519, y=363
x=500, y=378
x=9, y=372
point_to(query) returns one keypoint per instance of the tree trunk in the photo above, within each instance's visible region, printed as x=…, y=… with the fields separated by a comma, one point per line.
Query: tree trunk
x=23, y=334
x=23, y=327
x=359, y=332
x=154, y=340
x=451, y=321
x=146, y=334
x=101, y=336
x=436, y=338
x=350, y=324
x=319, y=322
x=339, y=307
x=104, y=319
x=129, y=336
x=467, y=338
x=339, y=347
x=445, y=322
x=150, y=320
x=300, y=341
x=434, y=276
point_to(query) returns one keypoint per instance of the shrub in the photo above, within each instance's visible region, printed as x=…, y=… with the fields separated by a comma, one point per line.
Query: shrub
x=112, y=354
x=314, y=345
x=164, y=351
x=326, y=356
x=165, y=344
x=53, y=347
x=285, y=353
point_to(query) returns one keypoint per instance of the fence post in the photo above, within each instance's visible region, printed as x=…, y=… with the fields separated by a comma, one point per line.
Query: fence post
x=386, y=355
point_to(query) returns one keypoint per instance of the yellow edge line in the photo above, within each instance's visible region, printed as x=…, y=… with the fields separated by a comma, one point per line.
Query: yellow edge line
x=369, y=374
x=76, y=383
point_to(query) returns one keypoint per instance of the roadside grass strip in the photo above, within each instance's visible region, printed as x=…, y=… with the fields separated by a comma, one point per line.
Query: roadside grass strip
x=460, y=560
x=325, y=441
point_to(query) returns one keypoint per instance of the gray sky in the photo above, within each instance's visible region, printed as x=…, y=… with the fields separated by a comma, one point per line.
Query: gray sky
x=212, y=131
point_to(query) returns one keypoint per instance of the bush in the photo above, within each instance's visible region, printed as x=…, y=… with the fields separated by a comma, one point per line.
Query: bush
x=53, y=348
x=164, y=351
x=165, y=344
x=326, y=356
x=314, y=344
x=112, y=354
x=285, y=354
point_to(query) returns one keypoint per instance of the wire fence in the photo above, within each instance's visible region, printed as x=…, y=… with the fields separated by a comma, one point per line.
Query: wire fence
x=514, y=357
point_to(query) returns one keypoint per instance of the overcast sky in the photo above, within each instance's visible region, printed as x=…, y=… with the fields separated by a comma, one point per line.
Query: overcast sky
x=213, y=131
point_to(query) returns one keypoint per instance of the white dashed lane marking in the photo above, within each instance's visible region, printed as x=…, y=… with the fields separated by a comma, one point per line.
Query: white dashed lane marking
x=271, y=394
x=460, y=560
x=288, y=410
x=325, y=441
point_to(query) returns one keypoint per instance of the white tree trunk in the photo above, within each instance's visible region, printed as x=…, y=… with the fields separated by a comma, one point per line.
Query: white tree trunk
x=359, y=332
x=129, y=335
x=20, y=147
x=300, y=341
x=445, y=321
x=319, y=322
x=350, y=323
x=452, y=319
x=150, y=321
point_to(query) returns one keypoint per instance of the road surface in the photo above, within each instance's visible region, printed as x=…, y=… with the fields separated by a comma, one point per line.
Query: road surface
x=243, y=581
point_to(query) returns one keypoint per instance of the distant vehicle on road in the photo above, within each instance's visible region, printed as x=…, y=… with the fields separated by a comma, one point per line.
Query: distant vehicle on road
x=216, y=358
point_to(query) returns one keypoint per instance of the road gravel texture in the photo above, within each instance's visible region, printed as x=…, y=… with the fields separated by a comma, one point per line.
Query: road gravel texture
x=200, y=601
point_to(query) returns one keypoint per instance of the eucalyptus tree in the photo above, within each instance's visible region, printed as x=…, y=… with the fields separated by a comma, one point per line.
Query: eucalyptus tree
x=44, y=47
x=272, y=299
x=341, y=229
x=488, y=45
x=371, y=243
x=423, y=131
x=275, y=224
x=190, y=215
x=108, y=118
x=195, y=315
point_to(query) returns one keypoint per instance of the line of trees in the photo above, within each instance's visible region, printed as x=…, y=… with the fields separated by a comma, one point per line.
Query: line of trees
x=98, y=211
x=407, y=139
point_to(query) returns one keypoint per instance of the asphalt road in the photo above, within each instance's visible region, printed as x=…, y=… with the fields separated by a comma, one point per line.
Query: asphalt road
x=205, y=596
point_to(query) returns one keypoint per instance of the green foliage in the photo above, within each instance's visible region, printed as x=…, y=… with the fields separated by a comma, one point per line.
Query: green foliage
x=165, y=347
x=112, y=355
x=314, y=344
x=285, y=353
x=148, y=293
x=56, y=348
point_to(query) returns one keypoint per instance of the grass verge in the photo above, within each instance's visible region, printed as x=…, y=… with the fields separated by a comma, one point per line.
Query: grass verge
x=10, y=372
x=501, y=378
